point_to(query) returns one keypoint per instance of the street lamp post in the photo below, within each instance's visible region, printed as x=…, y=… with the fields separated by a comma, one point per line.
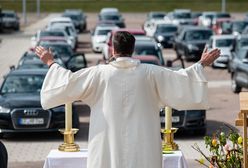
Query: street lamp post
x=24, y=11
x=223, y=6
x=38, y=8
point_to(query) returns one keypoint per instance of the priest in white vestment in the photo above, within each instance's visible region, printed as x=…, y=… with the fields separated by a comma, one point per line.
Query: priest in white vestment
x=125, y=97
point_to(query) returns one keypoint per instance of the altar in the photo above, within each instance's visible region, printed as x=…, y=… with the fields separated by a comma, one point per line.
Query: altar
x=58, y=159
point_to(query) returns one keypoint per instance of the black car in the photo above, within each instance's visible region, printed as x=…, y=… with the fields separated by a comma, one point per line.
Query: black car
x=239, y=70
x=165, y=34
x=113, y=18
x=10, y=20
x=20, y=107
x=148, y=46
x=78, y=17
x=191, y=41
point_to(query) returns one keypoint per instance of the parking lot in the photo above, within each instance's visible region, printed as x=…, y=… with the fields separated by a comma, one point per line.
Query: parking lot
x=30, y=150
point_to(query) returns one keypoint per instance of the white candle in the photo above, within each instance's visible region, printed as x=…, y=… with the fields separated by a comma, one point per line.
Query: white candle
x=168, y=115
x=68, y=116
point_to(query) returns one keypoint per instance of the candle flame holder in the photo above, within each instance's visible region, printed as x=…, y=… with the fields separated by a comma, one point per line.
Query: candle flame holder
x=168, y=143
x=69, y=144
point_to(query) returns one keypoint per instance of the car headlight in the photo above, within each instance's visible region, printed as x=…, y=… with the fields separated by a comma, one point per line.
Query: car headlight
x=4, y=110
x=192, y=47
x=160, y=38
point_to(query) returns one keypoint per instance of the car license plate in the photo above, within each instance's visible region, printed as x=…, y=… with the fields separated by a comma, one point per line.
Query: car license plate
x=175, y=119
x=31, y=121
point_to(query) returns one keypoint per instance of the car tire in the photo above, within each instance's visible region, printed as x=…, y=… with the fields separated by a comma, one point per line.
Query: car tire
x=235, y=87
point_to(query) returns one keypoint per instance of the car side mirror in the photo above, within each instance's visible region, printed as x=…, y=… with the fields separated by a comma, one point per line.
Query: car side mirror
x=12, y=67
x=76, y=62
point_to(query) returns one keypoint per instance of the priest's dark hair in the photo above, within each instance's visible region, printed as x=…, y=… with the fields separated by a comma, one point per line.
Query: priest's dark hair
x=123, y=43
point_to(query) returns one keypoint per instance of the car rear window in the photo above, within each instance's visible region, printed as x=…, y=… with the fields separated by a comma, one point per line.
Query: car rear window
x=52, y=33
x=198, y=35
x=224, y=42
x=103, y=32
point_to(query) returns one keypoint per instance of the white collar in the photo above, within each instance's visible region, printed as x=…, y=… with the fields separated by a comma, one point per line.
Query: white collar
x=125, y=62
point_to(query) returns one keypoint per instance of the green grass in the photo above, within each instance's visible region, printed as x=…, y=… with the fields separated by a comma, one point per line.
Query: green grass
x=127, y=5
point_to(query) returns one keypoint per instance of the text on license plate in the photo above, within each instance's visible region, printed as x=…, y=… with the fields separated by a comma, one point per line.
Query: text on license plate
x=175, y=119
x=31, y=121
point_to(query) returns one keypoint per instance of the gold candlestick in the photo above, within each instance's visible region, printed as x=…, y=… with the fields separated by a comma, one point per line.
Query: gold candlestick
x=69, y=144
x=168, y=143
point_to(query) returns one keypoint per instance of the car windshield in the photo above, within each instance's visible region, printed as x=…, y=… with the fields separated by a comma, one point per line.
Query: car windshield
x=33, y=66
x=223, y=15
x=73, y=17
x=110, y=17
x=166, y=29
x=51, y=33
x=23, y=84
x=103, y=32
x=147, y=50
x=182, y=15
x=198, y=35
x=224, y=42
x=61, y=50
x=239, y=26
x=158, y=15
x=8, y=15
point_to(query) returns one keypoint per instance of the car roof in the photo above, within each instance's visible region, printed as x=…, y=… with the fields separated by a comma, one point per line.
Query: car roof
x=224, y=36
x=8, y=11
x=186, y=28
x=182, y=10
x=106, y=27
x=103, y=10
x=28, y=72
x=57, y=43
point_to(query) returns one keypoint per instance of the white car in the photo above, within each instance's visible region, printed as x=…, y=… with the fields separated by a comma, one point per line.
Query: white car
x=109, y=10
x=225, y=44
x=99, y=37
x=150, y=26
x=56, y=34
x=59, y=20
x=69, y=29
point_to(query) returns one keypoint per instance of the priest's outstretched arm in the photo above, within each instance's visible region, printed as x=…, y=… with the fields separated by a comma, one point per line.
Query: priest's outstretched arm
x=61, y=86
x=185, y=89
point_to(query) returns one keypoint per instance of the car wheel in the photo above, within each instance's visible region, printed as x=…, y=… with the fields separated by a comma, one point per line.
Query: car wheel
x=235, y=87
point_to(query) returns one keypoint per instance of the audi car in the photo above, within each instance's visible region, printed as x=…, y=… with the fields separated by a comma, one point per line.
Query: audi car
x=20, y=107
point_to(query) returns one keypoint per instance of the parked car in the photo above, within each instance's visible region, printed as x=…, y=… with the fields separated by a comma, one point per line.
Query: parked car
x=10, y=20
x=50, y=34
x=195, y=16
x=225, y=44
x=20, y=107
x=107, y=48
x=156, y=15
x=70, y=31
x=115, y=18
x=99, y=37
x=150, y=26
x=209, y=18
x=78, y=18
x=165, y=34
x=239, y=72
x=222, y=26
x=191, y=42
x=180, y=17
x=240, y=42
x=238, y=26
x=60, y=20
x=148, y=46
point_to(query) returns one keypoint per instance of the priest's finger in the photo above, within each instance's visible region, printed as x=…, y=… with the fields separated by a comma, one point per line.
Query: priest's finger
x=213, y=51
x=205, y=49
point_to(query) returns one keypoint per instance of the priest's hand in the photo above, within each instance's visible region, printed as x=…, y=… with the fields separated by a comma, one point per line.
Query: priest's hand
x=45, y=55
x=208, y=58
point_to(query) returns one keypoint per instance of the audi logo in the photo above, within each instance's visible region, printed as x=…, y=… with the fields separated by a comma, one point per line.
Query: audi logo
x=31, y=112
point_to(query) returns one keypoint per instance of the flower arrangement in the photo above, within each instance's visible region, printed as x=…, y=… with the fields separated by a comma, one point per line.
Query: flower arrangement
x=225, y=150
